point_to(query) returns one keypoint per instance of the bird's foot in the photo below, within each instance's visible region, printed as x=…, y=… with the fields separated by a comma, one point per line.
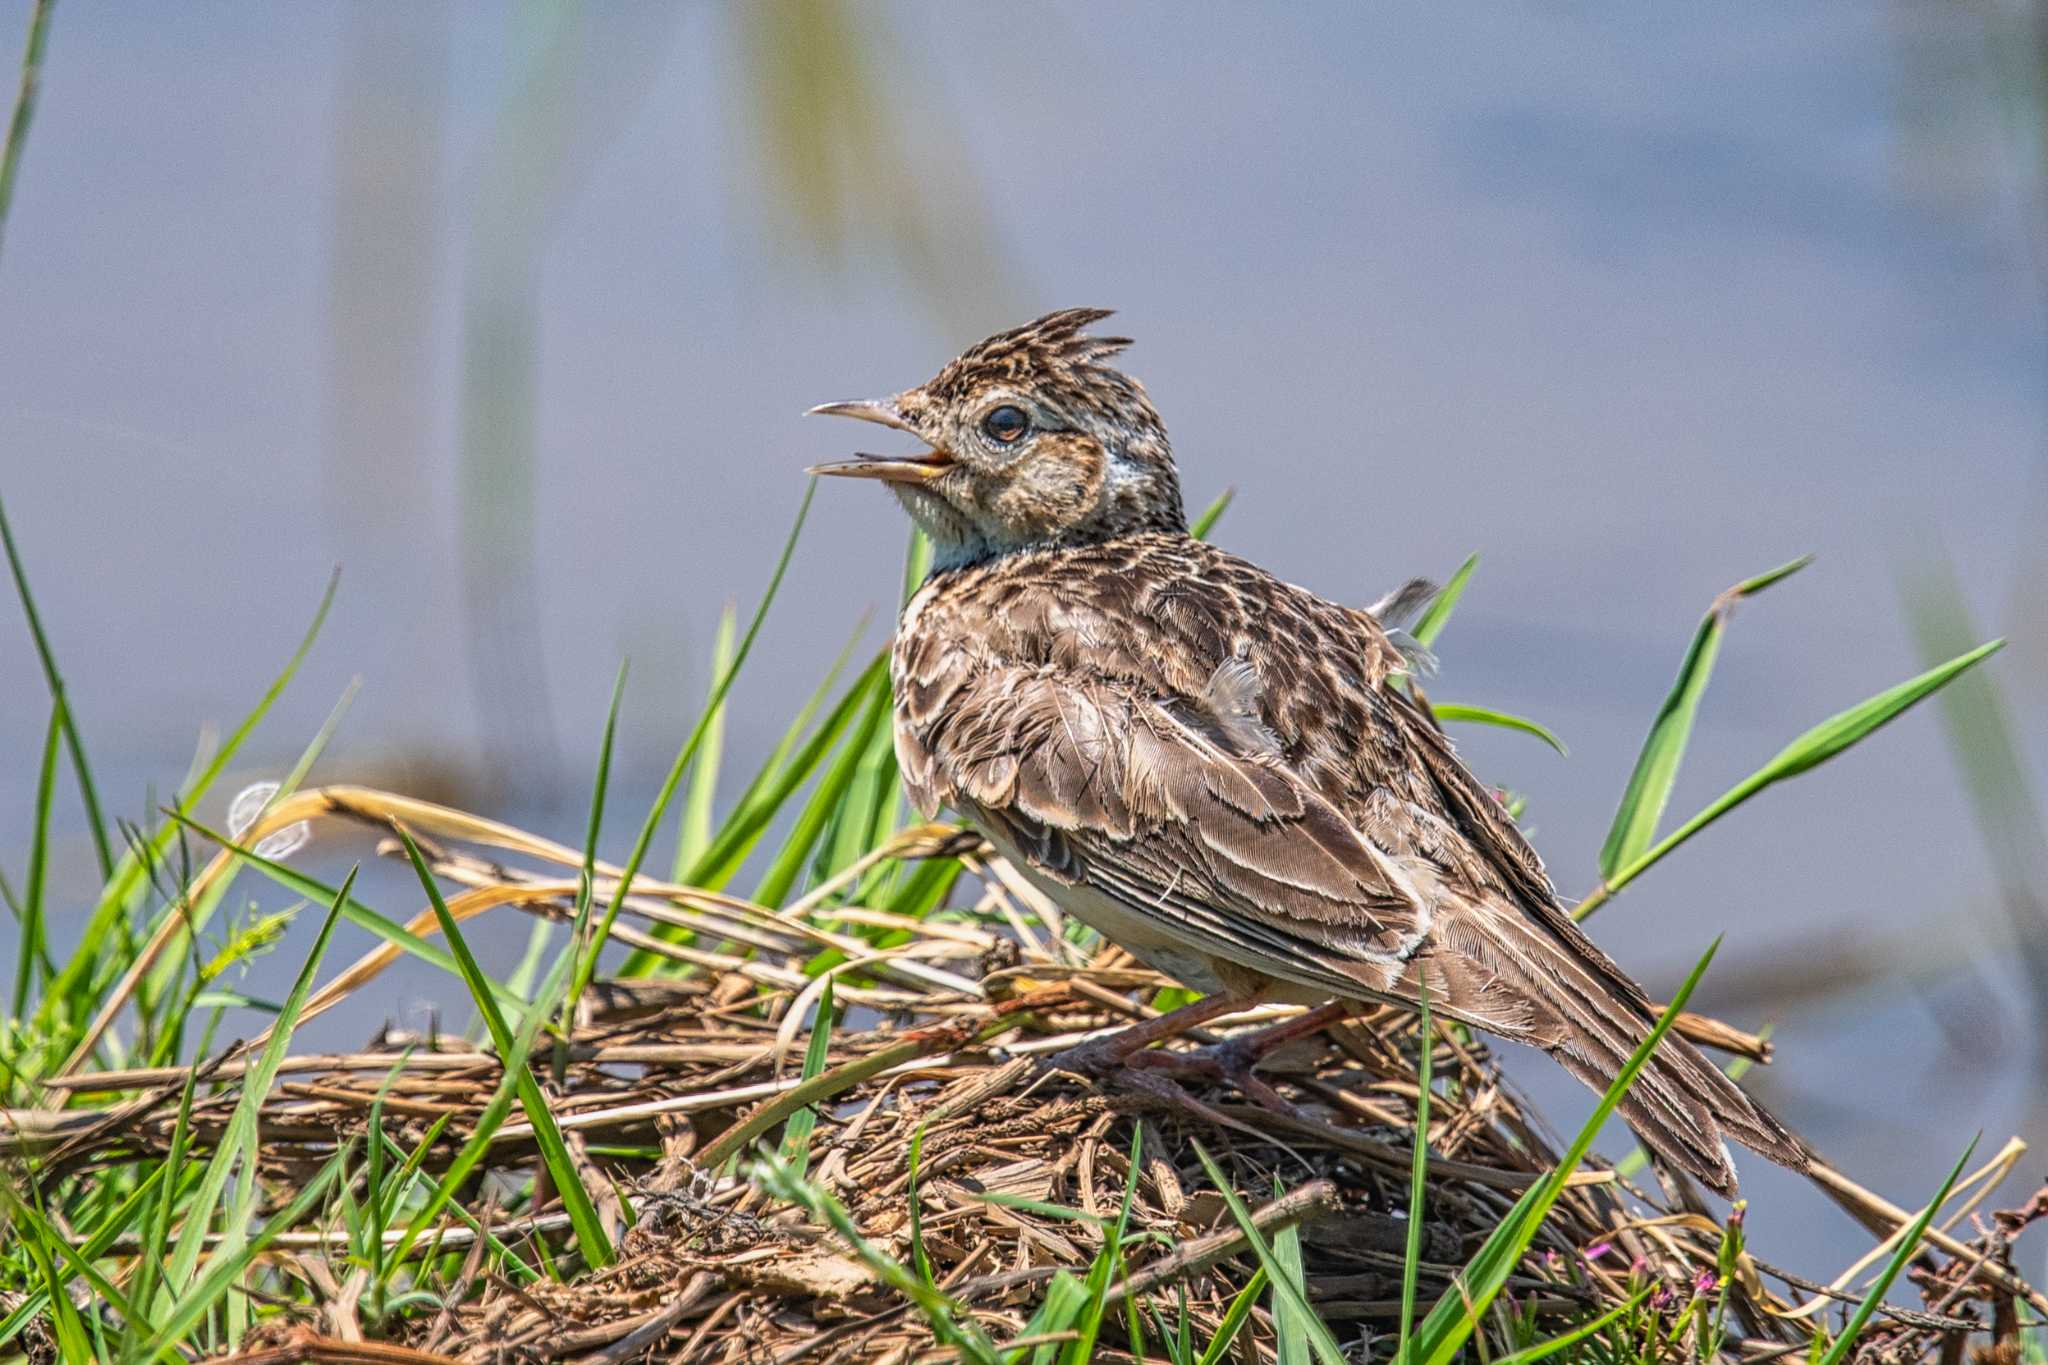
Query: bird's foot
x=1097, y=1059
x=1233, y=1062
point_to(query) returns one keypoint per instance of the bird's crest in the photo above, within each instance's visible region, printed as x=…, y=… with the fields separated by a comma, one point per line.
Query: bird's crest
x=1056, y=348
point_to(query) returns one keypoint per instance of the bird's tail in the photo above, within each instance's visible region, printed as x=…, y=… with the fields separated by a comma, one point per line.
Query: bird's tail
x=1580, y=1007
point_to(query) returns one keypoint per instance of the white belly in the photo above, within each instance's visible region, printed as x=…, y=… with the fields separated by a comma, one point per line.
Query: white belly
x=1138, y=935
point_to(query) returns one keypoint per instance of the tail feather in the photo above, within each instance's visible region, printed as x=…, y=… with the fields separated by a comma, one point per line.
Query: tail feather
x=1574, y=1002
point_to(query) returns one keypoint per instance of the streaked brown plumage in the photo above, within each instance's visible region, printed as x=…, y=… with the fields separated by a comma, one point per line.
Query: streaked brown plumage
x=1210, y=766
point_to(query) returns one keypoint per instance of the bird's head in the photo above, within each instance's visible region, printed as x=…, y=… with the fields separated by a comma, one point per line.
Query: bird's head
x=1034, y=441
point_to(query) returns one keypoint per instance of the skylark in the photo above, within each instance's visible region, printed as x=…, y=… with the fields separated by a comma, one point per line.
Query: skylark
x=1214, y=768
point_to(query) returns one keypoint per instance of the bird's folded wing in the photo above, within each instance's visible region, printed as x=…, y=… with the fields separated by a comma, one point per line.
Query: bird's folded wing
x=1228, y=852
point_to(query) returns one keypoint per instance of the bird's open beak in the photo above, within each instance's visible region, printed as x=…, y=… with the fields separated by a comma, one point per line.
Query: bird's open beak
x=893, y=468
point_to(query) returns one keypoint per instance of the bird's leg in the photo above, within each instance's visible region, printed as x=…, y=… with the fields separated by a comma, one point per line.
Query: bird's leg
x=1112, y=1051
x=1234, y=1059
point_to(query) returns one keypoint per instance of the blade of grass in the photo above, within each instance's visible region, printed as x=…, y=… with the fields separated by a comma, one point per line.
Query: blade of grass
x=1529, y=1355
x=1290, y=1328
x=1438, y=614
x=652, y=824
x=1319, y=1339
x=1909, y=1244
x=828, y=797
x=1418, y=1175
x=73, y=744
x=774, y=784
x=695, y=834
x=1213, y=513
x=32, y=1226
x=765, y=1116
x=796, y=1134
x=223, y=1270
x=495, y=1111
x=1444, y=1332
x=586, y=879
x=352, y=910
x=238, y=1144
x=34, y=951
x=1987, y=750
x=1088, y=1323
x=24, y=102
x=947, y=1320
x=1809, y=750
x=1649, y=785
x=547, y=1135
x=156, y=1226
x=920, y=1258
x=1486, y=715
x=158, y=978
x=79, y=988
x=917, y=562
x=65, y=1324
x=1065, y=1298
x=116, y=1222
x=1234, y=1317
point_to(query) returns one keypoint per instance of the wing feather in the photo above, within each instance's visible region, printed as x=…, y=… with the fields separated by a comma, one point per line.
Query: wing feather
x=1227, y=850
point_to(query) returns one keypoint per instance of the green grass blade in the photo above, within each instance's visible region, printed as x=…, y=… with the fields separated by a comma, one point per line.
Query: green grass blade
x=829, y=796
x=79, y=984
x=1656, y=770
x=1486, y=715
x=1088, y=1323
x=796, y=1134
x=238, y=1143
x=75, y=746
x=35, y=1229
x=223, y=1270
x=695, y=834
x=162, y=976
x=652, y=824
x=917, y=562
x=1065, y=1299
x=1212, y=514
x=352, y=910
x=947, y=1319
x=65, y=1324
x=1318, y=1332
x=920, y=1258
x=1988, y=754
x=547, y=1135
x=1290, y=1325
x=34, y=951
x=1819, y=744
x=586, y=953
x=1418, y=1174
x=1234, y=1317
x=1444, y=1332
x=133, y=1205
x=157, y=1221
x=1909, y=1244
x=1529, y=1355
x=24, y=101
x=1438, y=614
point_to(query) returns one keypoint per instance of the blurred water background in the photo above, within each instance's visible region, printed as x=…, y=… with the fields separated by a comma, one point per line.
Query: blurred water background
x=512, y=311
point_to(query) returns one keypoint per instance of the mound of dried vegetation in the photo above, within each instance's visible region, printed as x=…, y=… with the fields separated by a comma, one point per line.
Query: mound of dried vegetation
x=972, y=1188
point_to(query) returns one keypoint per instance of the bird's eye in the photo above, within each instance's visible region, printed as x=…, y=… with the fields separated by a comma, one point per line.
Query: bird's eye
x=1005, y=424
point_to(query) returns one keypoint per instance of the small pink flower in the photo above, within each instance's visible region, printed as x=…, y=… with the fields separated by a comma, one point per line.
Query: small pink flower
x=1597, y=1250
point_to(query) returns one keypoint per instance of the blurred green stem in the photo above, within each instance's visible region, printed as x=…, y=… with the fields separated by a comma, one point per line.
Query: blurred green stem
x=24, y=104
